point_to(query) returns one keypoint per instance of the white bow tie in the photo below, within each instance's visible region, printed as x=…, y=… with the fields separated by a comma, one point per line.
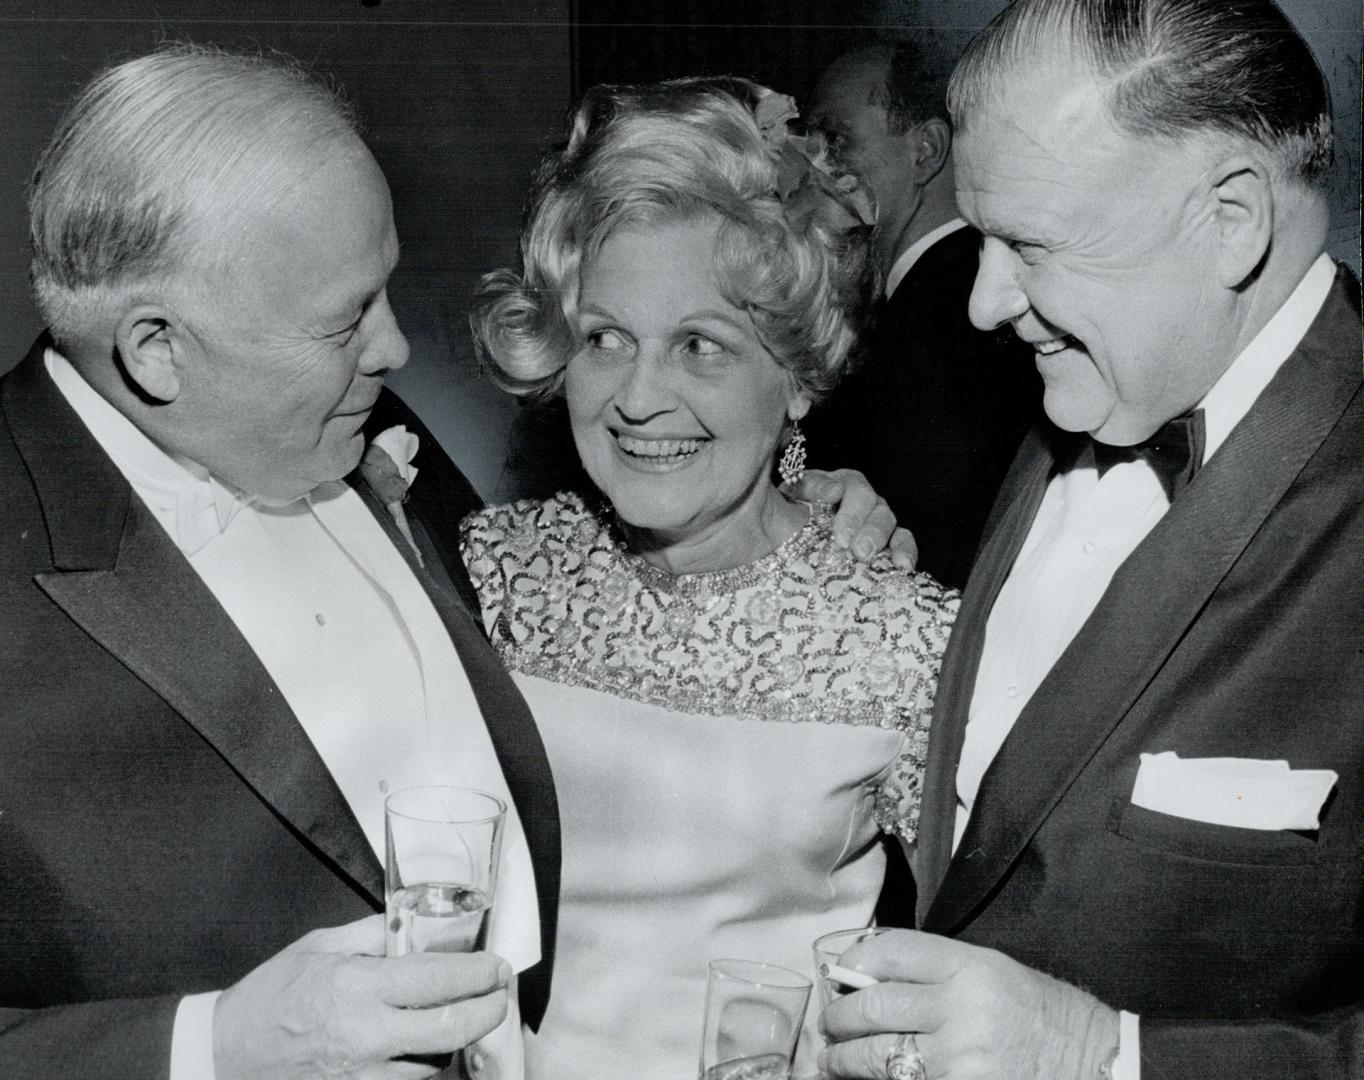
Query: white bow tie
x=202, y=506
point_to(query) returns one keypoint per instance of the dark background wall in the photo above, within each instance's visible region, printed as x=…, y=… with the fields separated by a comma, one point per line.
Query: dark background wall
x=461, y=97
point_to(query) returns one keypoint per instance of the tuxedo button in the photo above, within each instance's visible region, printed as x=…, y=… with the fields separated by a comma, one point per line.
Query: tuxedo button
x=1089, y=547
x=1012, y=691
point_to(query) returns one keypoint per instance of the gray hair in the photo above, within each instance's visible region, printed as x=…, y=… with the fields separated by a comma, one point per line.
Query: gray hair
x=1173, y=67
x=152, y=163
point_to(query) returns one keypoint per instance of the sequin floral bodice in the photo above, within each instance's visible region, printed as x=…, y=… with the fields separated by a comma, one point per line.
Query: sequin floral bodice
x=805, y=634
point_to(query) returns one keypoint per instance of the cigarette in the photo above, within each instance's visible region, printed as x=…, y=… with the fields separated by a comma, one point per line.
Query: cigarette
x=853, y=980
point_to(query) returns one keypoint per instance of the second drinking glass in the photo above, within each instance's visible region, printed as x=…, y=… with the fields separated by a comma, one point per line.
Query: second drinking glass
x=443, y=845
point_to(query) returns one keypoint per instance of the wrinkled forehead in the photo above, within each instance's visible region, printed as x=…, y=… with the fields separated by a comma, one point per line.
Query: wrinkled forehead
x=1048, y=98
x=653, y=216
x=1047, y=123
x=1044, y=156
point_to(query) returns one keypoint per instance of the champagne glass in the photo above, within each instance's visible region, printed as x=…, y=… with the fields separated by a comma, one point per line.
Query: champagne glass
x=442, y=847
x=833, y=981
x=753, y=1016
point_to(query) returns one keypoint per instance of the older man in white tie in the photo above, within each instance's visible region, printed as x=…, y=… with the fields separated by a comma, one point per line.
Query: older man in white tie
x=218, y=653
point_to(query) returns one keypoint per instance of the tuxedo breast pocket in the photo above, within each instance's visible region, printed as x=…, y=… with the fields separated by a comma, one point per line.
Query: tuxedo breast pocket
x=1245, y=810
x=1209, y=842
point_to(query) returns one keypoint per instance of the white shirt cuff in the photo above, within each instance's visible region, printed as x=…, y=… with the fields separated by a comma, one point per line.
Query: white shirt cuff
x=192, y=1038
x=1128, y=1065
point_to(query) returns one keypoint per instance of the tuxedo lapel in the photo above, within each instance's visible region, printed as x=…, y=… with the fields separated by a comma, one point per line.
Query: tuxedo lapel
x=1150, y=603
x=515, y=738
x=119, y=576
x=143, y=610
x=1010, y=520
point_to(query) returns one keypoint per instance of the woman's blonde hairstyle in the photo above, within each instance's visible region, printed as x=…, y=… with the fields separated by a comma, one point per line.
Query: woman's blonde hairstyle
x=793, y=248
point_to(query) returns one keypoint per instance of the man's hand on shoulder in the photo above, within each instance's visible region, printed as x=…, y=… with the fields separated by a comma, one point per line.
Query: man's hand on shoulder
x=975, y=1014
x=863, y=521
x=331, y=1005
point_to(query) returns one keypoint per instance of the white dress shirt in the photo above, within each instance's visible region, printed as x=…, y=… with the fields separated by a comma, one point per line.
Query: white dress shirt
x=914, y=252
x=1084, y=530
x=355, y=645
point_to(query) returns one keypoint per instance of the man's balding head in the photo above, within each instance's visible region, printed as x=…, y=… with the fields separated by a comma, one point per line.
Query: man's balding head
x=212, y=243
x=1170, y=68
x=153, y=166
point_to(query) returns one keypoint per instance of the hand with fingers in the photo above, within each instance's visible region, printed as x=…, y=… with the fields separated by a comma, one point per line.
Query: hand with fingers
x=973, y=1013
x=863, y=521
x=331, y=1005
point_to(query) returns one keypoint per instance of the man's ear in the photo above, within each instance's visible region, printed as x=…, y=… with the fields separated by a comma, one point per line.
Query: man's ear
x=1245, y=217
x=153, y=345
x=930, y=143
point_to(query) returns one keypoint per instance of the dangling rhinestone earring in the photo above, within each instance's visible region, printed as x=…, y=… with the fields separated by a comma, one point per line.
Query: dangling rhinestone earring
x=791, y=467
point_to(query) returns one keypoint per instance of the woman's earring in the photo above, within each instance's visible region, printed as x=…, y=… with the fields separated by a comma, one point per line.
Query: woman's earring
x=791, y=467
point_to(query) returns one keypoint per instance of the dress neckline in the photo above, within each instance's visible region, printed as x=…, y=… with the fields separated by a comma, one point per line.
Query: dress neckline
x=721, y=582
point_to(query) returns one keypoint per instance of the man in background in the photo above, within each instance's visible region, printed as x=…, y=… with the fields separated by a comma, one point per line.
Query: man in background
x=936, y=409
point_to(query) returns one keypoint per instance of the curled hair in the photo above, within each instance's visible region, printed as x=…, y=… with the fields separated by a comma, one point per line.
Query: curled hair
x=1172, y=67
x=152, y=160
x=674, y=151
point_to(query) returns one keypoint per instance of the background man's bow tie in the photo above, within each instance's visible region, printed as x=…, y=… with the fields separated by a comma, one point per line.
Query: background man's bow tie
x=1175, y=452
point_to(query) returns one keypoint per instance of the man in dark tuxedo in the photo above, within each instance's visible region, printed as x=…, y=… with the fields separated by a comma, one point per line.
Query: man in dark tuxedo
x=220, y=645
x=936, y=409
x=1146, y=770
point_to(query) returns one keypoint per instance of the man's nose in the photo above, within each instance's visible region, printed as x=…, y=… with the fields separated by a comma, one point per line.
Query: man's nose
x=386, y=348
x=996, y=298
x=647, y=390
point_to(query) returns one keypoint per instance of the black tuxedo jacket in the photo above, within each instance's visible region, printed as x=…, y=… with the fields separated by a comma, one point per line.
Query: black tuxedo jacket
x=165, y=823
x=936, y=409
x=1235, y=629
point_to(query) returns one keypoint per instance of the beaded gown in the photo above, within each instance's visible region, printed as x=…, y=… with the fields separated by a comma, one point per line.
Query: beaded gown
x=725, y=747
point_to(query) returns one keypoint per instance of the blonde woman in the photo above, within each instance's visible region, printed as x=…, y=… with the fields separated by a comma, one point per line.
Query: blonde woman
x=732, y=706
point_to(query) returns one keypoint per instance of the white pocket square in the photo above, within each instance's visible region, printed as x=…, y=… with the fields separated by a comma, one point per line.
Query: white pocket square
x=1242, y=792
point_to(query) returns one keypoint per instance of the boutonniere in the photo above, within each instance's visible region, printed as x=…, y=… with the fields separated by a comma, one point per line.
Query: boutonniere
x=388, y=470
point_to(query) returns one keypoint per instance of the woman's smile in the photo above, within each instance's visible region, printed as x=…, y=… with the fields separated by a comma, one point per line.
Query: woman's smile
x=658, y=453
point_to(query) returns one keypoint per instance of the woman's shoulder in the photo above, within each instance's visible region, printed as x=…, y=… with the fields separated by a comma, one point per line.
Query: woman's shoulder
x=848, y=586
x=514, y=524
x=528, y=531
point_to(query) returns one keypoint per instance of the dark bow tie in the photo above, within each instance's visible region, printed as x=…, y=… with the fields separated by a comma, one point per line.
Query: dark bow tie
x=1175, y=452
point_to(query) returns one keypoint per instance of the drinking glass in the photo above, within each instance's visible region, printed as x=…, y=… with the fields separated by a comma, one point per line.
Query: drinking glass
x=829, y=950
x=753, y=1016
x=442, y=846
